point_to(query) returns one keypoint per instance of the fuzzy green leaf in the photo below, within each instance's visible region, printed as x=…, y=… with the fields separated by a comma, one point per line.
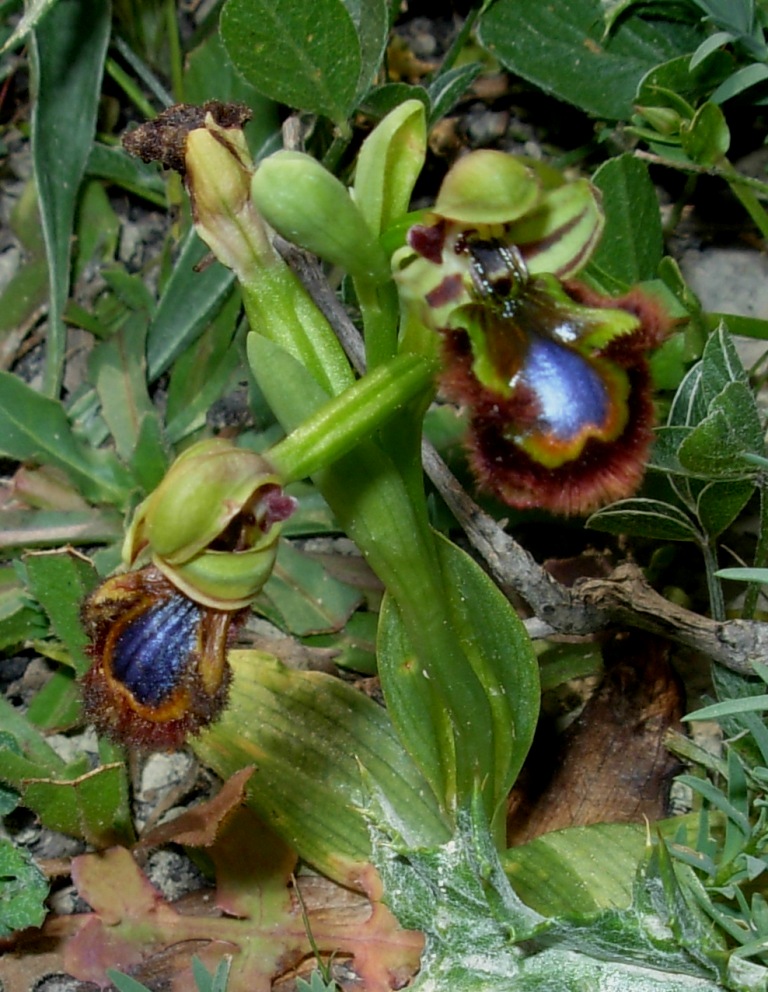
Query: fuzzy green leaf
x=305, y=55
x=560, y=48
x=23, y=889
x=645, y=518
x=631, y=245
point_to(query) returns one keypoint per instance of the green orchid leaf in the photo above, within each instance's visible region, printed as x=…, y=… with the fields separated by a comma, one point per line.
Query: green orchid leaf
x=578, y=871
x=308, y=56
x=310, y=735
x=501, y=657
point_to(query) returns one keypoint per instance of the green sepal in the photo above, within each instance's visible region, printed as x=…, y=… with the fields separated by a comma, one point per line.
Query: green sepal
x=389, y=163
x=488, y=187
x=562, y=231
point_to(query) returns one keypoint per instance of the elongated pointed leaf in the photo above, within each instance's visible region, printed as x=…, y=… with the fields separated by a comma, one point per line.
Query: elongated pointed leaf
x=69, y=48
x=190, y=300
x=35, y=428
x=645, y=518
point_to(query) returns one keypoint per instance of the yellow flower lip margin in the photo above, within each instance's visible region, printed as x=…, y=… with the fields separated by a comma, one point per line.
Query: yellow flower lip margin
x=212, y=525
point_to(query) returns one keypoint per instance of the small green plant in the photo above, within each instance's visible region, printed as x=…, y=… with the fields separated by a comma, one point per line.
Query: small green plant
x=204, y=980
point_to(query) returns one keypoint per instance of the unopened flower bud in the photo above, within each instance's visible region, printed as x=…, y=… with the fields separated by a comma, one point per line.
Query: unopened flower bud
x=307, y=205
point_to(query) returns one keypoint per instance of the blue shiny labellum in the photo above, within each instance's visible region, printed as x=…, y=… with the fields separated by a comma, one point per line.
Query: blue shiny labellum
x=151, y=654
x=570, y=394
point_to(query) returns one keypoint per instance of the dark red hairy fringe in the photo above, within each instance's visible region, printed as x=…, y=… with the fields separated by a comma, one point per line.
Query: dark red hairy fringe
x=604, y=471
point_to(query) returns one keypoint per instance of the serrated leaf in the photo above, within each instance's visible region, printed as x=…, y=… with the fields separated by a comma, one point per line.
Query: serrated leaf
x=23, y=889
x=631, y=246
x=305, y=55
x=560, y=48
x=60, y=581
x=645, y=518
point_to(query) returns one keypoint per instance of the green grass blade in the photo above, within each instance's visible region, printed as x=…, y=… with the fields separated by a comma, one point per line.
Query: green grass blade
x=68, y=51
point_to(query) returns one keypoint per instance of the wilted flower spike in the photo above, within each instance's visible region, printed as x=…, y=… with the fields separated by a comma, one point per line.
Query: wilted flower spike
x=159, y=668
